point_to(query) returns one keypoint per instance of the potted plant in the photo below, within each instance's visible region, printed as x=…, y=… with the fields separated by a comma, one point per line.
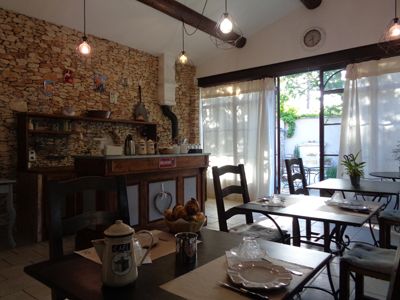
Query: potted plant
x=353, y=168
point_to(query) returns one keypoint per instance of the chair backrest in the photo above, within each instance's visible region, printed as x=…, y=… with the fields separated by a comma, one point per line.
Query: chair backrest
x=60, y=191
x=295, y=171
x=221, y=193
x=394, y=286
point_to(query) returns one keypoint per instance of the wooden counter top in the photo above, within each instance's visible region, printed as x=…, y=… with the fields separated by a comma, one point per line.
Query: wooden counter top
x=124, y=165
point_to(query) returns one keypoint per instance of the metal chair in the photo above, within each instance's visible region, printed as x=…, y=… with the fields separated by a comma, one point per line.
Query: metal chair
x=366, y=260
x=250, y=228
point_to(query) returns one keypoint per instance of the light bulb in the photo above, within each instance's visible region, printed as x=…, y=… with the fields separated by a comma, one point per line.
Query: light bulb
x=394, y=30
x=226, y=25
x=84, y=48
x=183, y=58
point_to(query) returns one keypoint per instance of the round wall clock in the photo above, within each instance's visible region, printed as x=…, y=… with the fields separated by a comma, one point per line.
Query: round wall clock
x=313, y=38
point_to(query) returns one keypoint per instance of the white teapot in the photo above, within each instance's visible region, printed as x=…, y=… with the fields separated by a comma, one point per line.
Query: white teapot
x=120, y=253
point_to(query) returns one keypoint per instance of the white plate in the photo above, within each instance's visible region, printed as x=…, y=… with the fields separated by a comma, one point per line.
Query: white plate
x=259, y=275
x=353, y=206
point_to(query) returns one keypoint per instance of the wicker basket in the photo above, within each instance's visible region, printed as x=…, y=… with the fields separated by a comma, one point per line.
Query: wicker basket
x=182, y=225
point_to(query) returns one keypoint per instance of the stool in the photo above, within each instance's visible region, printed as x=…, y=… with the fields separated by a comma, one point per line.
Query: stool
x=6, y=187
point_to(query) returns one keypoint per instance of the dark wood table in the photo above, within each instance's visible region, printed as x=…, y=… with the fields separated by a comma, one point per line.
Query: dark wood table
x=387, y=175
x=377, y=188
x=80, y=278
x=315, y=209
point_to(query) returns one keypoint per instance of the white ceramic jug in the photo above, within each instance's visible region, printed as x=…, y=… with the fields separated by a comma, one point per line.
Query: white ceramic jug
x=118, y=253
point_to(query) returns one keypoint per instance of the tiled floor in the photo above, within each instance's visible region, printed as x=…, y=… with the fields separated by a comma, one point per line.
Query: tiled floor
x=15, y=284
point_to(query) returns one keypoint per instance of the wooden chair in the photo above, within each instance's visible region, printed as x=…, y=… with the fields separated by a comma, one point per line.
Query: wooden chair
x=297, y=184
x=387, y=218
x=367, y=260
x=250, y=227
x=60, y=191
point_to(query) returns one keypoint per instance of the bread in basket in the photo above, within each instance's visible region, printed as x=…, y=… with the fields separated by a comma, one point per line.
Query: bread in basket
x=186, y=218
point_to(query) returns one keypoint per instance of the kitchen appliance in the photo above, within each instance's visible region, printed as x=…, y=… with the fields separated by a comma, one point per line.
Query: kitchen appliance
x=129, y=147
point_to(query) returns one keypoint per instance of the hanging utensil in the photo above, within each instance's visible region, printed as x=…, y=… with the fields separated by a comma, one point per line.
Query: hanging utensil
x=162, y=200
x=140, y=110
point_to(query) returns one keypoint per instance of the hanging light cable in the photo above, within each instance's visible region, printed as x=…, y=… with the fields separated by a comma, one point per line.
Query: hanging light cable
x=225, y=23
x=84, y=48
x=183, y=59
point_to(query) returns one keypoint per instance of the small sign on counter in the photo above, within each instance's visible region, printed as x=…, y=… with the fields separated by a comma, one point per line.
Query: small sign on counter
x=167, y=162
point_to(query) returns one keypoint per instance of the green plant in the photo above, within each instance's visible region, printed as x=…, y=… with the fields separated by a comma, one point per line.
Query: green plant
x=331, y=172
x=353, y=168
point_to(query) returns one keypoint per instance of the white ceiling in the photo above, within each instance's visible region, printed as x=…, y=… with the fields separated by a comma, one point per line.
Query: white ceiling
x=139, y=26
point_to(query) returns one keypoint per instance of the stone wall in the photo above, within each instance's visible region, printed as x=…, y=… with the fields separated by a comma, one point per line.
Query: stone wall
x=32, y=51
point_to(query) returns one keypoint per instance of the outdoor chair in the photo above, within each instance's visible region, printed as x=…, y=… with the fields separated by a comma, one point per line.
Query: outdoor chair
x=366, y=260
x=297, y=184
x=250, y=228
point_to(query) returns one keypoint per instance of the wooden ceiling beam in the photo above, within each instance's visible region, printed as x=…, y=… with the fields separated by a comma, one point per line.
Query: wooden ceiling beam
x=193, y=18
x=311, y=4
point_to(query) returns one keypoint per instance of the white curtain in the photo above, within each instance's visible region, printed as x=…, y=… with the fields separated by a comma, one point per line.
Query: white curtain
x=238, y=128
x=371, y=114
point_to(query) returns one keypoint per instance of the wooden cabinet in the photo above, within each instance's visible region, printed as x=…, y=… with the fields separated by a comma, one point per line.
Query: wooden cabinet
x=57, y=131
x=59, y=128
x=183, y=176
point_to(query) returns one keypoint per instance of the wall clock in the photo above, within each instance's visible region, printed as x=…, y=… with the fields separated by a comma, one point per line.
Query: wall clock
x=313, y=38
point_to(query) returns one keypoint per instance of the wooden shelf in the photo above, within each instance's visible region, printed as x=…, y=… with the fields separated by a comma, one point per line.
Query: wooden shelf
x=88, y=119
x=49, y=132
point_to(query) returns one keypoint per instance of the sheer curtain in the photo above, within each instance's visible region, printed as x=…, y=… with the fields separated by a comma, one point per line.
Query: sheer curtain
x=371, y=114
x=238, y=128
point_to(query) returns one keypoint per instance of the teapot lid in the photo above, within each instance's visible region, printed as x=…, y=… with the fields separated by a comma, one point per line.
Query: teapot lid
x=119, y=228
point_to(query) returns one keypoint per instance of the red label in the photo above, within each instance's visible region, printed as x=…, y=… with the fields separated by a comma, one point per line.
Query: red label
x=167, y=162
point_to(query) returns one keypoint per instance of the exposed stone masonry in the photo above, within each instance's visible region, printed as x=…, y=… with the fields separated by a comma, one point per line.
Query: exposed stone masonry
x=33, y=50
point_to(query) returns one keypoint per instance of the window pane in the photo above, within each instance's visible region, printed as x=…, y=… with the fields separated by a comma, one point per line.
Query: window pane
x=333, y=104
x=334, y=79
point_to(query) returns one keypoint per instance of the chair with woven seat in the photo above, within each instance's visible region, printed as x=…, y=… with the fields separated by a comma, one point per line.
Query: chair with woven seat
x=297, y=184
x=387, y=218
x=366, y=260
x=250, y=228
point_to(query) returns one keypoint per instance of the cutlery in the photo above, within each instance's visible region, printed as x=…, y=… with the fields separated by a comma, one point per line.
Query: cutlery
x=243, y=291
x=294, y=272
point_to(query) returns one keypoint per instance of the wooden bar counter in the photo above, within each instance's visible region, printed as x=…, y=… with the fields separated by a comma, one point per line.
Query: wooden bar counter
x=155, y=182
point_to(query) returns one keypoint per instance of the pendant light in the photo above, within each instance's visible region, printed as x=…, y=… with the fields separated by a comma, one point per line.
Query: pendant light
x=182, y=58
x=225, y=24
x=84, y=48
x=392, y=30
x=227, y=32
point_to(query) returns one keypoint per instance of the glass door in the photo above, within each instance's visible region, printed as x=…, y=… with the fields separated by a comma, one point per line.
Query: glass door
x=308, y=126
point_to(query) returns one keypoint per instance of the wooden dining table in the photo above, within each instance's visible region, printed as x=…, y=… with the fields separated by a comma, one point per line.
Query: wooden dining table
x=376, y=188
x=314, y=208
x=79, y=278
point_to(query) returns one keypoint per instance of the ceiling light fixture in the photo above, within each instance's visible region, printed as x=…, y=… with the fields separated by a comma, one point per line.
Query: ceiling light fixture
x=228, y=34
x=225, y=22
x=183, y=59
x=392, y=30
x=84, y=48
